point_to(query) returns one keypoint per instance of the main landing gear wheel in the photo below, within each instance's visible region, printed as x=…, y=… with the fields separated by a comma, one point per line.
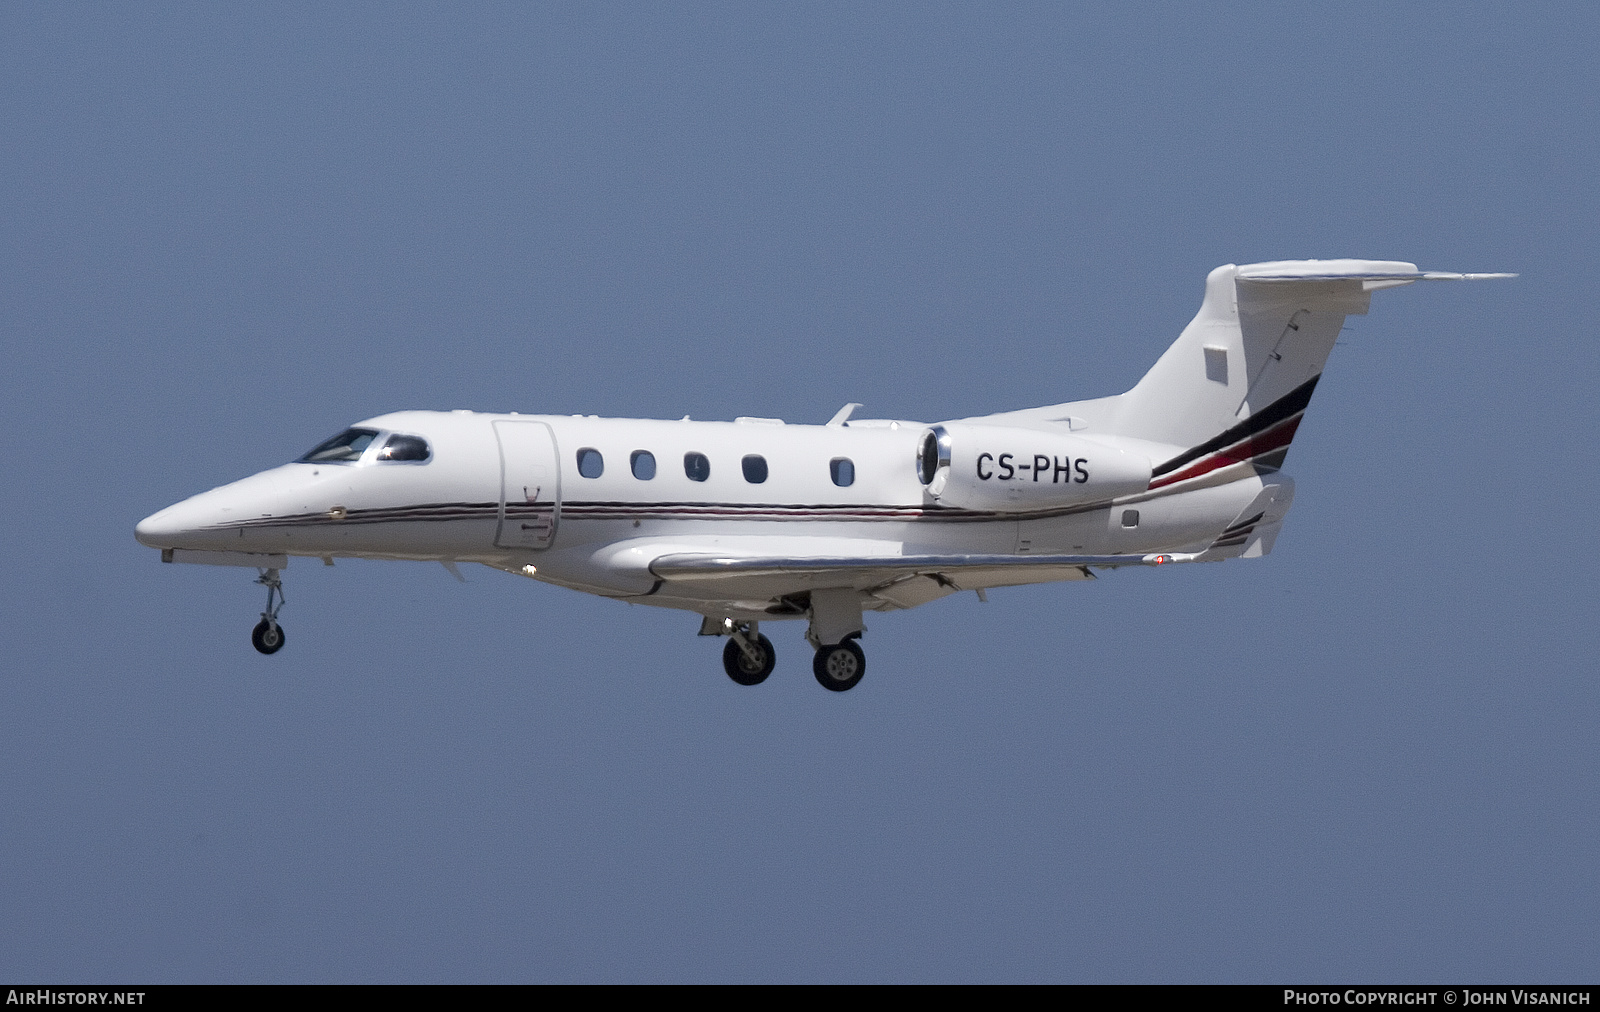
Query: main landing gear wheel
x=840, y=666
x=745, y=669
x=267, y=637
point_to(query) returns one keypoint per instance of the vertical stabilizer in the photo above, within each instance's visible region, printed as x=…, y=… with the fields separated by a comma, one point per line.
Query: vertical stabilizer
x=1233, y=387
x=1235, y=384
x=1253, y=345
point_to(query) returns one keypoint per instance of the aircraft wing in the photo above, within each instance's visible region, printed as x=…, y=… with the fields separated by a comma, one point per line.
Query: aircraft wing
x=899, y=581
x=709, y=566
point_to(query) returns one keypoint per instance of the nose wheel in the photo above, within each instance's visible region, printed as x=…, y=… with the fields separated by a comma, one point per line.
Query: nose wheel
x=267, y=636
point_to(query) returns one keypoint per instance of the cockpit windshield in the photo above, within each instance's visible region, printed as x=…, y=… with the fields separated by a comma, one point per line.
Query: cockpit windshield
x=401, y=447
x=347, y=445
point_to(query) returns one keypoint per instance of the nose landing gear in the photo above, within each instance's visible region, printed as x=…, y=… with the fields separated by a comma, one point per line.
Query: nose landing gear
x=267, y=636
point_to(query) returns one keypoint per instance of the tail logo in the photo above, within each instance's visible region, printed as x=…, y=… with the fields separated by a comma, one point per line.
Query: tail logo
x=1263, y=438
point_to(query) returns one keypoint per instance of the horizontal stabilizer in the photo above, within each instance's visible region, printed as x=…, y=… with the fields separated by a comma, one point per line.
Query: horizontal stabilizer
x=1350, y=270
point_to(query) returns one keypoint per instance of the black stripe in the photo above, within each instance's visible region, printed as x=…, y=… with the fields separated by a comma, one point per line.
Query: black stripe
x=1241, y=525
x=1271, y=461
x=1287, y=406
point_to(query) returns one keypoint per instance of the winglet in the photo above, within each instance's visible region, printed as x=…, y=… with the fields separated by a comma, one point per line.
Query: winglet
x=843, y=415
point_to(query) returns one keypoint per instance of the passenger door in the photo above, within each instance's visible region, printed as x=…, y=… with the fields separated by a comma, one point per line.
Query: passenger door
x=530, y=484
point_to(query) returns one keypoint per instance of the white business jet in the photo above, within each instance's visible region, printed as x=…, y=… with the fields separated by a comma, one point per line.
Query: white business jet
x=756, y=520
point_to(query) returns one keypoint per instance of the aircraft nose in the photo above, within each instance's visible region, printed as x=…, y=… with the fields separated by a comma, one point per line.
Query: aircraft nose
x=152, y=529
x=220, y=520
x=196, y=522
x=165, y=528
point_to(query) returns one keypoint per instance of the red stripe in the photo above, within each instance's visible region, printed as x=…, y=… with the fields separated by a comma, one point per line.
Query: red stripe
x=1278, y=436
x=591, y=513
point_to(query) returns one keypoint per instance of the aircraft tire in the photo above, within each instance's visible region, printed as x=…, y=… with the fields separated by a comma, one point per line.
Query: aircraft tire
x=738, y=667
x=839, y=667
x=267, y=637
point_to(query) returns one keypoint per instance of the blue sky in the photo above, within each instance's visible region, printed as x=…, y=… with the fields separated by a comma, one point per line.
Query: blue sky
x=226, y=232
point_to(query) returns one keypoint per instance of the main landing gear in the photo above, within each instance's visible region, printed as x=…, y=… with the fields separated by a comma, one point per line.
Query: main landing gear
x=268, y=634
x=835, y=627
x=839, y=667
x=749, y=657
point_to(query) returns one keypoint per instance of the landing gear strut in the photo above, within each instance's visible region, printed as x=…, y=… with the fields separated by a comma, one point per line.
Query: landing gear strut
x=749, y=657
x=268, y=634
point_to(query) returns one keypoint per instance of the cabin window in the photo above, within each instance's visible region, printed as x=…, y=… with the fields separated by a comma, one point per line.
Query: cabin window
x=755, y=468
x=1130, y=518
x=348, y=445
x=643, y=463
x=590, y=463
x=404, y=448
x=696, y=466
x=843, y=471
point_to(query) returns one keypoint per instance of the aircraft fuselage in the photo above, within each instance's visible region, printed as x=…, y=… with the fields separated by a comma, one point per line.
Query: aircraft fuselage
x=509, y=491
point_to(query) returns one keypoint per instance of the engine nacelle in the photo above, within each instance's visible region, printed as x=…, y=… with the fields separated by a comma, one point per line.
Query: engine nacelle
x=990, y=467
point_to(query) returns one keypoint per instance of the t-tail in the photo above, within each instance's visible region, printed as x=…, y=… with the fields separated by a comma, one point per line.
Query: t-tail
x=1233, y=388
